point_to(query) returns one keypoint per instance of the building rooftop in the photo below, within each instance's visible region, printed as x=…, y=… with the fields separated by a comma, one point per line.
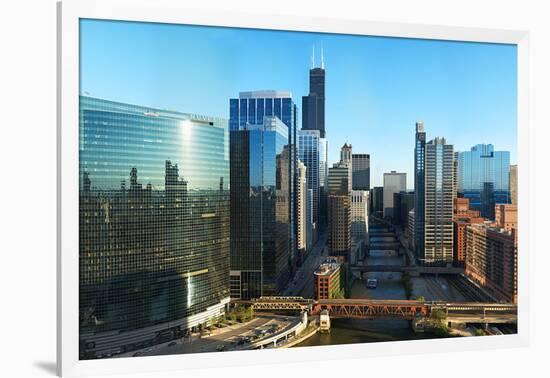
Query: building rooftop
x=328, y=267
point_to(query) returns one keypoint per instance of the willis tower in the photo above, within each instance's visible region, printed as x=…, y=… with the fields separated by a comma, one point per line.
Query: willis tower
x=313, y=105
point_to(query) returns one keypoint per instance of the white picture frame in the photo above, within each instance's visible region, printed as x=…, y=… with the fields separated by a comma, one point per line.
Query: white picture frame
x=69, y=13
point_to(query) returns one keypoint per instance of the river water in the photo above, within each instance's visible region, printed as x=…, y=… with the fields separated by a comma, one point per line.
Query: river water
x=350, y=331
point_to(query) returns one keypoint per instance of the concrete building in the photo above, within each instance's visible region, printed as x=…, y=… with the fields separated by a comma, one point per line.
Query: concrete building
x=394, y=182
x=506, y=216
x=359, y=214
x=329, y=280
x=302, y=202
x=439, y=202
x=491, y=260
x=514, y=184
x=360, y=164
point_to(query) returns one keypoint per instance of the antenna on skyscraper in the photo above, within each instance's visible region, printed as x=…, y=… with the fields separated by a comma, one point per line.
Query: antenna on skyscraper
x=322, y=58
x=313, y=58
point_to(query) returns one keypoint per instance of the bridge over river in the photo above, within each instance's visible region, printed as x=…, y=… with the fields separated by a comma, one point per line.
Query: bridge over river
x=472, y=312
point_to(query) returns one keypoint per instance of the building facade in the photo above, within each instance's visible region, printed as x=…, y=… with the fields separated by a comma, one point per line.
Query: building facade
x=491, y=260
x=484, y=178
x=260, y=211
x=329, y=280
x=439, y=202
x=153, y=222
x=302, y=210
x=309, y=149
x=514, y=184
x=361, y=171
x=403, y=203
x=313, y=105
x=339, y=211
x=463, y=217
x=506, y=216
x=378, y=201
x=419, y=189
x=359, y=215
x=394, y=182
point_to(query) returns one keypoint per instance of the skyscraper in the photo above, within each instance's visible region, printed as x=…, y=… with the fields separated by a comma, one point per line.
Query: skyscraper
x=345, y=158
x=483, y=178
x=154, y=224
x=419, y=192
x=302, y=204
x=313, y=105
x=260, y=211
x=339, y=211
x=361, y=171
x=394, y=182
x=250, y=109
x=359, y=214
x=323, y=175
x=308, y=154
x=439, y=202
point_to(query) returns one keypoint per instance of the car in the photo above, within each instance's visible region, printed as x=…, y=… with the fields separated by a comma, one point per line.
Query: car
x=172, y=344
x=372, y=283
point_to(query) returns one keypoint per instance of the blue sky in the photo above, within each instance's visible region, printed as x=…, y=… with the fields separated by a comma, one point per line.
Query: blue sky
x=376, y=87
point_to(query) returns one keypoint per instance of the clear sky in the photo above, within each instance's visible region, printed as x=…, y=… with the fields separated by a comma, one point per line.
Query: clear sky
x=376, y=88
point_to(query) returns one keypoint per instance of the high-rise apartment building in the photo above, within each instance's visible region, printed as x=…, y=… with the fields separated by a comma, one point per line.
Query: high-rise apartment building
x=394, y=182
x=260, y=211
x=463, y=217
x=439, y=202
x=419, y=191
x=514, y=184
x=361, y=171
x=484, y=178
x=313, y=105
x=491, y=260
x=153, y=223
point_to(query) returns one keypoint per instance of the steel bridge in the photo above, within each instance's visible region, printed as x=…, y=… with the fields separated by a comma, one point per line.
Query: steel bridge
x=410, y=269
x=398, y=309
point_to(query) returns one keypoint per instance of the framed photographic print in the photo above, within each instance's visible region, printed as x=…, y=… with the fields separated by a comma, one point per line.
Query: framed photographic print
x=262, y=188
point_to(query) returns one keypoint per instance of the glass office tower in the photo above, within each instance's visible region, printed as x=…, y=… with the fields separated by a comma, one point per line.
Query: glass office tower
x=260, y=211
x=483, y=178
x=154, y=224
x=308, y=153
x=250, y=109
x=419, y=189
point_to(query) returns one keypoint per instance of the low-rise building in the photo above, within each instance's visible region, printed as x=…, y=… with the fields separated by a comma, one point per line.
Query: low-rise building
x=329, y=280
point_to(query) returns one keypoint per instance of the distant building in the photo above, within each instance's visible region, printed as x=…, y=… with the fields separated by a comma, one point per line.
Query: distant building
x=313, y=105
x=484, y=178
x=345, y=158
x=463, y=217
x=359, y=214
x=308, y=153
x=491, y=260
x=339, y=211
x=514, y=184
x=360, y=171
x=378, y=201
x=419, y=189
x=403, y=202
x=506, y=216
x=302, y=215
x=323, y=177
x=439, y=202
x=311, y=230
x=329, y=280
x=394, y=182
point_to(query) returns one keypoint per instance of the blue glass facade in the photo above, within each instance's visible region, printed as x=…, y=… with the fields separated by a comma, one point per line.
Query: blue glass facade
x=154, y=224
x=309, y=153
x=483, y=178
x=260, y=211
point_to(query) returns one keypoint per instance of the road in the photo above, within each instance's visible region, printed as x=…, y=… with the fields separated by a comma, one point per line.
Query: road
x=303, y=283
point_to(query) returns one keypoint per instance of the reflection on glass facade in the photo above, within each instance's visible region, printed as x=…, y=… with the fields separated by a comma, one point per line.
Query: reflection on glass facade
x=483, y=178
x=260, y=211
x=419, y=189
x=154, y=224
x=308, y=153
